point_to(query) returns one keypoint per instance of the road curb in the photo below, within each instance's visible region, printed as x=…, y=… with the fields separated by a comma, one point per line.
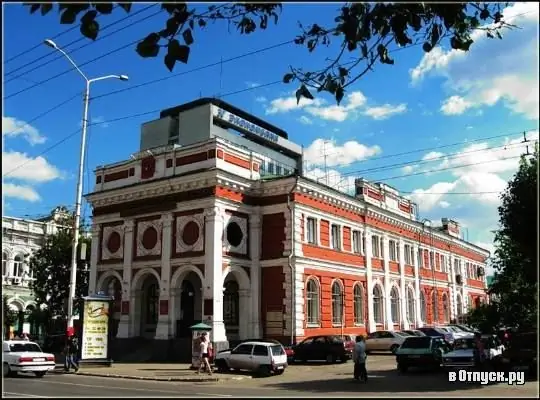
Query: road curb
x=156, y=378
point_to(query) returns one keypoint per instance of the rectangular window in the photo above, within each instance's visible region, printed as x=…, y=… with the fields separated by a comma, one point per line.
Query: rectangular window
x=271, y=168
x=311, y=230
x=392, y=246
x=431, y=260
x=336, y=237
x=357, y=242
x=375, y=249
x=444, y=267
x=363, y=244
x=408, y=254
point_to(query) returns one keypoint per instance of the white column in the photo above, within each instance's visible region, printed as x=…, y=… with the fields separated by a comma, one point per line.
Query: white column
x=418, y=317
x=213, y=260
x=124, y=327
x=94, y=257
x=452, y=277
x=163, y=328
x=372, y=327
x=404, y=324
x=255, y=273
x=387, y=285
x=10, y=266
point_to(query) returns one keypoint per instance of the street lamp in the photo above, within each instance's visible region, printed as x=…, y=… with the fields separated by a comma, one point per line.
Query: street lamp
x=77, y=219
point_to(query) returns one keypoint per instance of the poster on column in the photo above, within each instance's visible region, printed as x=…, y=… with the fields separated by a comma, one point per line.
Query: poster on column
x=95, y=328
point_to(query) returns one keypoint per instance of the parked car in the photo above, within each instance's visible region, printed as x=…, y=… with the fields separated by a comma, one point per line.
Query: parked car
x=317, y=348
x=462, y=356
x=437, y=332
x=414, y=332
x=23, y=356
x=288, y=349
x=522, y=353
x=265, y=358
x=421, y=351
x=349, y=341
x=458, y=333
x=384, y=341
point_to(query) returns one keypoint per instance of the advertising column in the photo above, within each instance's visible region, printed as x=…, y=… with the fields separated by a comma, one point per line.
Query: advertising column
x=95, y=330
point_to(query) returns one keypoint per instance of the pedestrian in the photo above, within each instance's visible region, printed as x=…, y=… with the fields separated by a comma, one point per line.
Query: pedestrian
x=72, y=351
x=204, y=364
x=359, y=357
x=479, y=353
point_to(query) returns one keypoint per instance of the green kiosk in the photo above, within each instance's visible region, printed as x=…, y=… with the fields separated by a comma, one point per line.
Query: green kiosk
x=196, y=331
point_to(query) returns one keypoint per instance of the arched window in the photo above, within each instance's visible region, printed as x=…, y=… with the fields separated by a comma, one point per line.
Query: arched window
x=4, y=264
x=434, y=307
x=410, y=305
x=394, y=305
x=152, y=294
x=312, y=302
x=378, y=309
x=358, y=294
x=337, y=303
x=231, y=303
x=423, y=307
x=446, y=308
x=18, y=265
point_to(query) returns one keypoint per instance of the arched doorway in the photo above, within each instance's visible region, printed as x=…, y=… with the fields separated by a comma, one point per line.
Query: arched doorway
x=237, y=307
x=231, y=309
x=149, y=306
x=189, y=304
x=112, y=286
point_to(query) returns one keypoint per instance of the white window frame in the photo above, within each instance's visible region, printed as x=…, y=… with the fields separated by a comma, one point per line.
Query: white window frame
x=311, y=232
x=407, y=249
x=375, y=247
x=393, y=250
x=357, y=242
x=335, y=240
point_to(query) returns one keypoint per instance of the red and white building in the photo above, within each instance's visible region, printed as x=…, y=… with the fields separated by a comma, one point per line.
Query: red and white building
x=205, y=224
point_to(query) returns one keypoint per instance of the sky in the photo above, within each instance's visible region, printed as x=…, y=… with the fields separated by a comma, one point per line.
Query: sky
x=445, y=128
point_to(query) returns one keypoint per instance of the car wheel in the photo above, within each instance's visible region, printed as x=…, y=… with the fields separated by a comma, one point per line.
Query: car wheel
x=394, y=348
x=221, y=366
x=280, y=372
x=402, y=367
x=264, y=370
x=6, y=371
x=40, y=374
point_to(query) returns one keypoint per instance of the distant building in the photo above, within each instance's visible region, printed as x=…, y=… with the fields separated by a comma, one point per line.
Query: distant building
x=213, y=220
x=20, y=238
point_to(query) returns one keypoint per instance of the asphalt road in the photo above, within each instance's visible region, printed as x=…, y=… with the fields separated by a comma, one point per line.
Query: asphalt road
x=307, y=380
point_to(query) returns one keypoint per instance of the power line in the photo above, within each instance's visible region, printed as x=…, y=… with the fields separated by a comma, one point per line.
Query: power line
x=445, y=193
x=80, y=47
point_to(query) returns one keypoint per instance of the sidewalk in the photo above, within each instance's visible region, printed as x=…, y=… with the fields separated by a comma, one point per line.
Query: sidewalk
x=153, y=372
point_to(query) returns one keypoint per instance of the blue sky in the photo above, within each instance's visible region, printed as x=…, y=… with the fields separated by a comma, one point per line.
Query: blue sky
x=422, y=102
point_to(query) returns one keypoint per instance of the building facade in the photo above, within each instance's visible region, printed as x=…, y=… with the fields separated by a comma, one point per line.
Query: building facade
x=213, y=231
x=20, y=238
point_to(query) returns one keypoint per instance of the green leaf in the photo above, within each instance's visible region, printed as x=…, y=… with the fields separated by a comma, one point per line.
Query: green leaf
x=484, y=14
x=191, y=24
x=171, y=26
x=33, y=7
x=45, y=8
x=149, y=47
x=104, y=8
x=125, y=6
x=288, y=78
x=339, y=94
x=169, y=61
x=303, y=92
x=90, y=29
x=499, y=35
x=364, y=50
x=343, y=72
x=427, y=47
x=202, y=23
x=435, y=35
x=68, y=16
x=178, y=52
x=88, y=17
x=188, y=37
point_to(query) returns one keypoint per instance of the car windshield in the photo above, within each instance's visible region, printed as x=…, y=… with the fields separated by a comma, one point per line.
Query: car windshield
x=456, y=328
x=335, y=339
x=24, y=347
x=404, y=334
x=277, y=350
x=416, y=343
x=465, y=328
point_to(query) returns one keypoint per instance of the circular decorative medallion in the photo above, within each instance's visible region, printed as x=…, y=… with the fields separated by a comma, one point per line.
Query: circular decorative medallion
x=150, y=238
x=191, y=232
x=113, y=242
x=234, y=234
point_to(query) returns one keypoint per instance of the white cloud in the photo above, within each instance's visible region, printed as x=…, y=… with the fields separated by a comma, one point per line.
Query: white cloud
x=385, y=111
x=337, y=155
x=493, y=70
x=20, y=192
x=353, y=104
x=428, y=198
x=407, y=169
x=261, y=99
x=469, y=127
x=432, y=155
x=333, y=178
x=305, y=120
x=252, y=84
x=99, y=121
x=35, y=169
x=444, y=204
x=12, y=127
x=455, y=105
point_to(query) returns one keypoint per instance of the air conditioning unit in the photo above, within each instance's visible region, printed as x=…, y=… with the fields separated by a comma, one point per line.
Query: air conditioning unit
x=459, y=279
x=480, y=271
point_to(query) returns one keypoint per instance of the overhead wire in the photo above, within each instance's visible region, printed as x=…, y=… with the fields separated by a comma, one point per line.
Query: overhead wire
x=66, y=46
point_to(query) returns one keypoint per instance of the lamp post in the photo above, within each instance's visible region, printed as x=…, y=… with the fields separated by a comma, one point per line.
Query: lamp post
x=78, y=201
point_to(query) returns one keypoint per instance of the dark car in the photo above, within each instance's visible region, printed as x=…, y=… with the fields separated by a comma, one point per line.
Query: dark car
x=437, y=332
x=522, y=353
x=329, y=348
x=414, y=332
x=421, y=351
